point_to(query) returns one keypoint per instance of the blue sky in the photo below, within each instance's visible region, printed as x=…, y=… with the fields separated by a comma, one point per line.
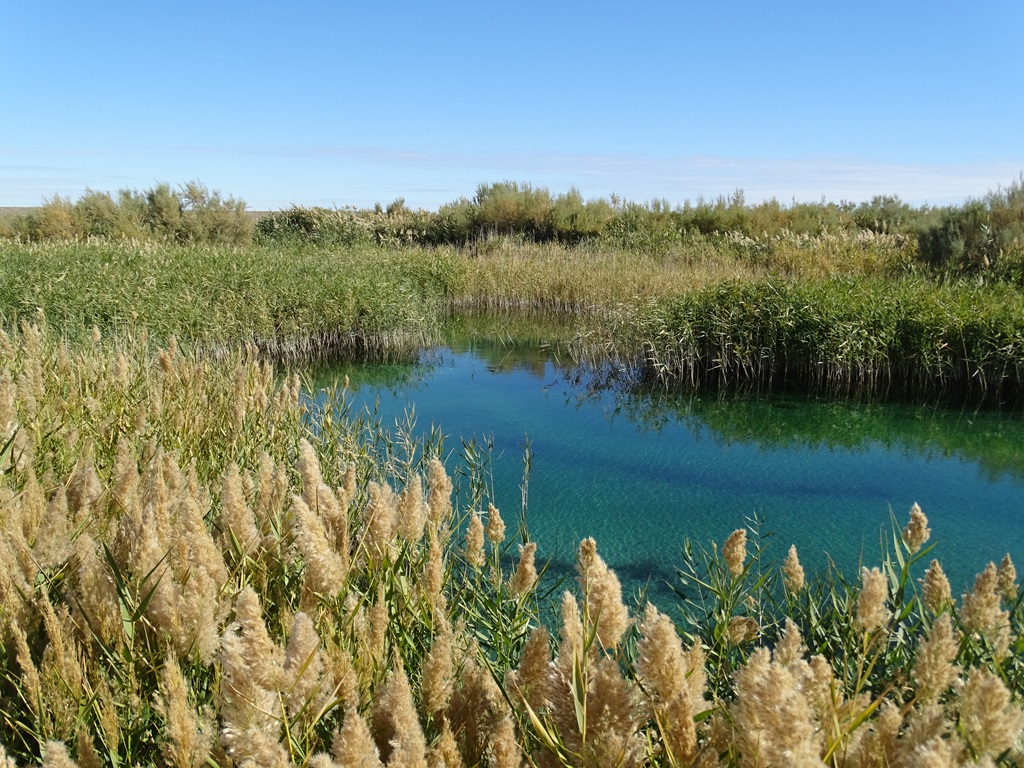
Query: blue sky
x=357, y=103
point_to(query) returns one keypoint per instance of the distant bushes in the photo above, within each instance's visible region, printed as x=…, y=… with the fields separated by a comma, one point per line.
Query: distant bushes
x=981, y=237
x=189, y=214
x=519, y=210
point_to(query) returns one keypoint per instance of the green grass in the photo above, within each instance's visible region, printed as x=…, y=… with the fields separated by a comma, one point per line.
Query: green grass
x=290, y=302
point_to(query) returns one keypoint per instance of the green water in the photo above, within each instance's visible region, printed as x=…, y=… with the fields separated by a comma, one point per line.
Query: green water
x=641, y=473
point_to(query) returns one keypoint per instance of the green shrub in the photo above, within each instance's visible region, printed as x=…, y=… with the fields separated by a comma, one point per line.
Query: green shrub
x=510, y=208
x=574, y=219
x=981, y=238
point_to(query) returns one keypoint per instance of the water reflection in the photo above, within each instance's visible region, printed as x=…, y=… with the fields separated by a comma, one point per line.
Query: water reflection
x=641, y=471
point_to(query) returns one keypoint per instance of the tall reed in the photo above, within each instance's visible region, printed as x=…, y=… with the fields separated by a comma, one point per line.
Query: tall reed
x=842, y=337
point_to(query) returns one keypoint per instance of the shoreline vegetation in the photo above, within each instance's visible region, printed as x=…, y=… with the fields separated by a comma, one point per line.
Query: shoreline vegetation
x=201, y=566
x=874, y=300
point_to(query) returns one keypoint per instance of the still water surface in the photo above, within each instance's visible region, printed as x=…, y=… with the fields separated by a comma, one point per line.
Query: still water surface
x=642, y=473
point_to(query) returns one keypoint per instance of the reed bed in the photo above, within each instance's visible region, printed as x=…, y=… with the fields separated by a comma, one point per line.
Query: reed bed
x=200, y=566
x=507, y=273
x=291, y=303
x=846, y=337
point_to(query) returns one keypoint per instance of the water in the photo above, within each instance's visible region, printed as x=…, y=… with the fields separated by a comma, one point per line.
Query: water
x=641, y=474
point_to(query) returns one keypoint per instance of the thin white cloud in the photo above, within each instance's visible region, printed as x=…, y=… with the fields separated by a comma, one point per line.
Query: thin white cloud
x=309, y=174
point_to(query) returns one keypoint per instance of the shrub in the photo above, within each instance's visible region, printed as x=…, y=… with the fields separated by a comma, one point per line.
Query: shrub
x=981, y=238
x=510, y=208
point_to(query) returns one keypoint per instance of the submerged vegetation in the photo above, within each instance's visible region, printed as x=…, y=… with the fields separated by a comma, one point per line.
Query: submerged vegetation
x=196, y=569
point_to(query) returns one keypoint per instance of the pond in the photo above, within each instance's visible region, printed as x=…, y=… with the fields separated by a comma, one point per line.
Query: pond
x=641, y=472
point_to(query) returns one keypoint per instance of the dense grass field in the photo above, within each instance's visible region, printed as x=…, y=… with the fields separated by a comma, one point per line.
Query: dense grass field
x=199, y=566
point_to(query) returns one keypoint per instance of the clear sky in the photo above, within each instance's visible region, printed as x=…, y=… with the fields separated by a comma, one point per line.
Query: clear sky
x=356, y=103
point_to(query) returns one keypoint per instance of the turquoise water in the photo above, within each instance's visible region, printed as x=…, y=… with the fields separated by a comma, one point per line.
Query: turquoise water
x=641, y=474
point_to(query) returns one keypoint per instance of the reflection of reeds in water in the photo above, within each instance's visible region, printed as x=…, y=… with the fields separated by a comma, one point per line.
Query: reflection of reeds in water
x=190, y=575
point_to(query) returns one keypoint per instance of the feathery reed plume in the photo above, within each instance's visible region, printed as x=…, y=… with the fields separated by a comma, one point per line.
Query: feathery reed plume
x=774, y=723
x=54, y=539
x=924, y=743
x=433, y=575
x=379, y=519
x=85, y=750
x=1007, y=579
x=321, y=760
x=373, y=635
x=346, y=492
x=61, y=673
x=531, y=679
x=6, y=761
x=271, y=498
x=200, y=576
x=126, y=480
x=525, y=578
x=611, y=736
x=84, y=488
x=445, y=752
x=793, y=572
x=603, y=594
x=671, y=681
x=871, y=610
x=790, y=648
x=935, y=589
x=264, y=659
x=188, y=738
x=663, y=666
x=247, y=706
x=438, y=670
x=31, y=685
x=989, y=721
x=439, y=486
x=735, y=551
x=476, y=708
x=303, y=667
x=108, y=718
x=353, y=744
x=934, y=670
x=237, y=521
x=32, y=508
x=917, y=532
x=504, y=748
x=571, y=637
x=475, y=541
x=55, y=755
x=340, y=671
x=982, y=614
x=495, y=527
x=321, y=499
x=742, y=629
x=412, y=511
x=397, y=728
x=325, y=570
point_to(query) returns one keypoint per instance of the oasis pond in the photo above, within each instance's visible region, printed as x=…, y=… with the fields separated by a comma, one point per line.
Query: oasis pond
x=642, y=472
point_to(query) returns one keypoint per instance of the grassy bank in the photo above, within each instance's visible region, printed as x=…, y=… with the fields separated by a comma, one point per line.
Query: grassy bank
x=195, y=569
x=288, y=302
